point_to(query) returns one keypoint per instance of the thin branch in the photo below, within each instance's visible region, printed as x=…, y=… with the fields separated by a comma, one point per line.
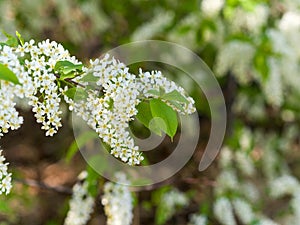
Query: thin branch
x=80, y=85
x=74, y=82
x=71, y=81
x=42, y=185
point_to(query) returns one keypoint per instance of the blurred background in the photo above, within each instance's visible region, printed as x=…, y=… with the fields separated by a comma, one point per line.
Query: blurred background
x=253, y=48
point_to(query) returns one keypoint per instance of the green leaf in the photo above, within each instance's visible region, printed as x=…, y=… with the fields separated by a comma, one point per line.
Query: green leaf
x=177, y=105
x=7, y=75
x=21, y=39
x=67, y=75
x=79, y=143
x=79, y=93
x=261, y=65
x=167, y=114
x=11, y=40
x=110, y=104
x=161, y=212
x=175, y=96
x=145, y=117
x=144, y=113
x=71, y=92
x=92, y=180
x=154, y=92
x=89, y=78
x=66, y=67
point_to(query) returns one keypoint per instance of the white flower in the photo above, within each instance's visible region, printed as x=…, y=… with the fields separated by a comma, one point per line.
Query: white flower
x=270, y=159
x=157, y=24
x=273, y=87
x=197, y=219
x=266, y=221
x=224, y=212
x=211, y=8
x=252, y=20
x=170, y=201
x=110, y=113
x=39, y=84
x=117, y=202
x=175, y=198
x=243, y=211
x=250, y=191
x=227, y=180
x=226, y=157
x=237, y=57
x=158, y=81
x=245, y=163
x=284, y=185
x=295, y=203
x=107, y=111
x=81, y=204
x=245, y=139
x=289, y=21
x=5, y=176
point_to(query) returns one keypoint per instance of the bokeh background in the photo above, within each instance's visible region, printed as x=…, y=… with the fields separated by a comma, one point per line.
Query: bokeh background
x=252, y=46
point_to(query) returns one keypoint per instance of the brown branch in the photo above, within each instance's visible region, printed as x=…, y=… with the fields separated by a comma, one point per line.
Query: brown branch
x=80, y=85
x=42, y=185
x=74, y=82
x=70, y=81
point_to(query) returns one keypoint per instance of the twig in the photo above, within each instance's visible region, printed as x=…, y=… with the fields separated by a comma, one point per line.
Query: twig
x=74, y=82
x=42, y=185
x=71, y=81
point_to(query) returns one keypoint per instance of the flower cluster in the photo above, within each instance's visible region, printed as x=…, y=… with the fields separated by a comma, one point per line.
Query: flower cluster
x=244, y=211
x=224, y=212
x=109, y=112
x=251, y=20
x=211, y=8
x=170, y=201
x=239, y=63
x=161, y=20
x=5, y=177
x=284, y=185
x=81, y=204
x=42, y=81
x=237, y=195
x=33, y=64
x=246, y=44
x=117, y=202
x=9, y=117
x=154, y=80
x=197, y=219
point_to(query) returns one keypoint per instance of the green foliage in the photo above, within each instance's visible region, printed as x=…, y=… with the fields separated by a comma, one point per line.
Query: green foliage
x=168, y=200
x=77, y=93
x=89, y=78
x=7, y=75
x=160, y=215
x=145, y=116
x=11, y=40
x=175, y=96
x=167, y=114
x=158, y=116
x=93, y=181
x=101, y=25
x=66, y=67
x=21, y=39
